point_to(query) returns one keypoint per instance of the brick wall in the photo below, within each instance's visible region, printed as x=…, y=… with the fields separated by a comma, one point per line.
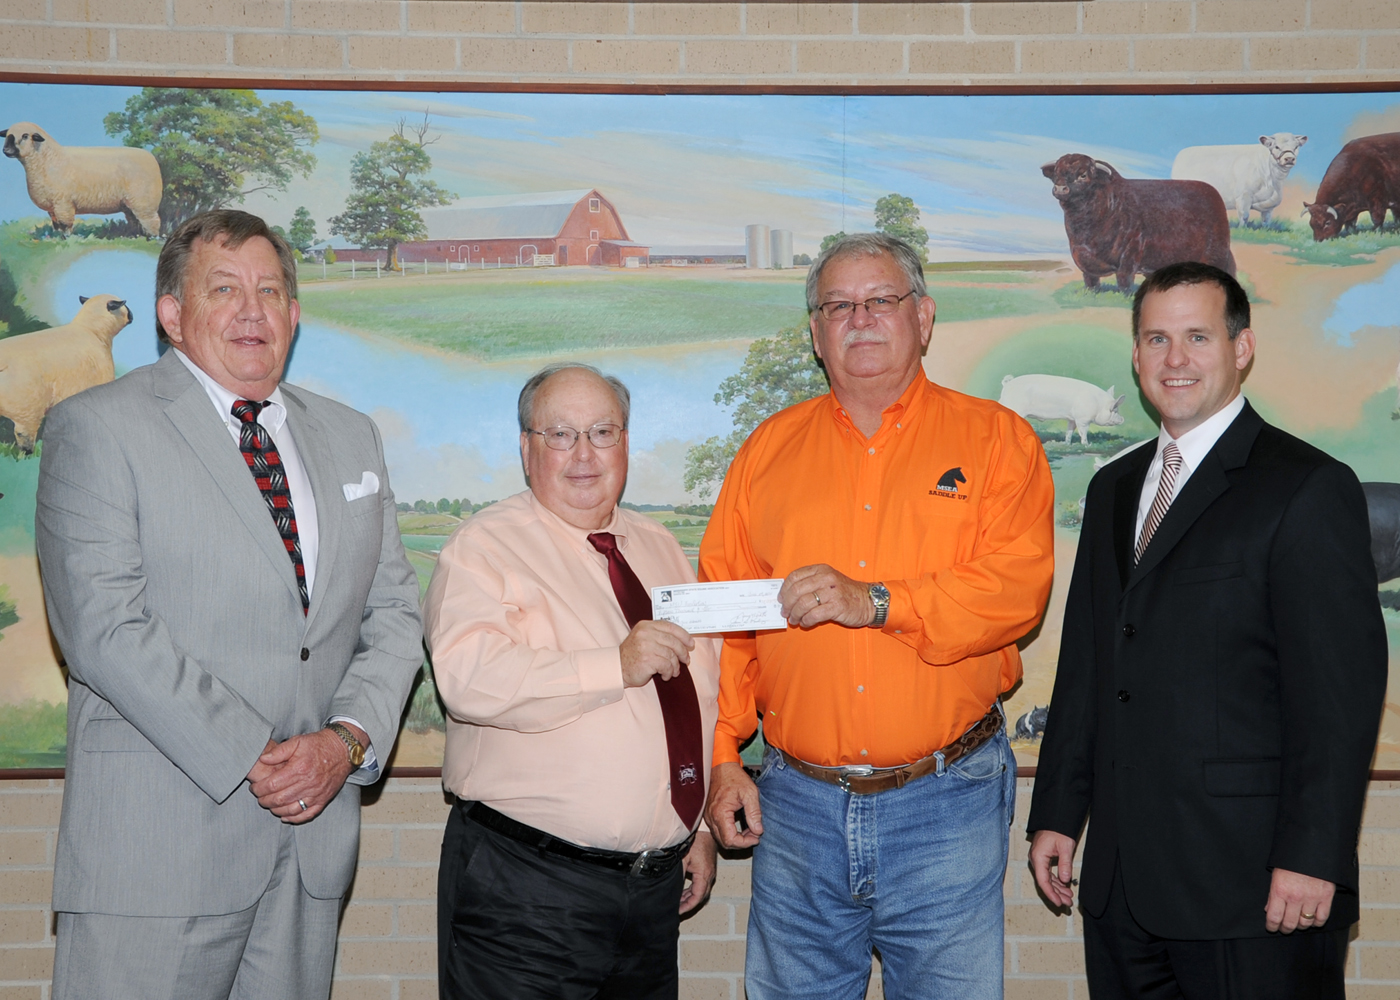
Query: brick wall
x=454, y=41
x=388, y=939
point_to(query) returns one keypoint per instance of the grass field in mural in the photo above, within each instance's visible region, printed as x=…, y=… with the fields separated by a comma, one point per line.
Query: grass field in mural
x=429, y=316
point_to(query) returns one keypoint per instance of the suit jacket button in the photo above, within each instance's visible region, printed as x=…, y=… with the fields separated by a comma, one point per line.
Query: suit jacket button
x=305, y=654
x=1129, y=631
x=1123, y=696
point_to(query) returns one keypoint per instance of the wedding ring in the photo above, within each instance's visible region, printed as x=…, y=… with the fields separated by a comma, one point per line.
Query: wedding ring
x=302, y=803
x=1307, y=916
x=817, y=596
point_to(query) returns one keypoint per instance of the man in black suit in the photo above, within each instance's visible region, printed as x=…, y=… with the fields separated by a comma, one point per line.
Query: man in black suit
x=1220, y=684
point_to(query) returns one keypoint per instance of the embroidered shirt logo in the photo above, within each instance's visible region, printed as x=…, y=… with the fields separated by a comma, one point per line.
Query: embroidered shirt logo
x=948, y=482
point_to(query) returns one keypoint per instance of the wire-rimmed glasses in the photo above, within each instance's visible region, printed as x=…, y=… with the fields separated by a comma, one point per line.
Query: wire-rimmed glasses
x=563, y=437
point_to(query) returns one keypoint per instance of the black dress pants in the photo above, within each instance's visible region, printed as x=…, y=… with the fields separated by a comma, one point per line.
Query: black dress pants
x=515, y=923
x=1126, y=962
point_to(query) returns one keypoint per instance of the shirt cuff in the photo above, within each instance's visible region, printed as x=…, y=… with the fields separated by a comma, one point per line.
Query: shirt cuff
x=599, y=676
x=368, y=772
x=901, y=618
x=726, y=749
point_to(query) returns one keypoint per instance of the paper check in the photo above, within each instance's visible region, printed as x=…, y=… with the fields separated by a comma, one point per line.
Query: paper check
x=735, y=606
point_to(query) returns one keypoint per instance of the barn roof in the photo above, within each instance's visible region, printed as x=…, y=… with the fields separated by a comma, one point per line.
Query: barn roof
x=503, y=217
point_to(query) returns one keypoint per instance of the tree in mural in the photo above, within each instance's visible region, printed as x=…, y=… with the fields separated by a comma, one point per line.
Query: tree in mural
x=828, y=240
x=777, y=372
x=302, y=232
x=386, y=194
x=898, y=216
x=215, y=146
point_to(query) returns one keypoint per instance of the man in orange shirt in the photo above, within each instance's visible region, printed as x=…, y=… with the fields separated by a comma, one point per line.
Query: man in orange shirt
x=912, y=527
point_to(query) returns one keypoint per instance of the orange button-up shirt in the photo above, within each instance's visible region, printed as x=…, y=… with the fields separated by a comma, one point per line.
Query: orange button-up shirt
x=949, y=505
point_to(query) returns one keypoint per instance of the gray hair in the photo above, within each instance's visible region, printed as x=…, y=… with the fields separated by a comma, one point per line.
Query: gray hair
x=236, y=228
x=525, y=407
x=867, y=245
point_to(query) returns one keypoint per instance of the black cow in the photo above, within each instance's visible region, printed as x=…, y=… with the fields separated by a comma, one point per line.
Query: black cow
x=1031, y=726
x=1363, y=177
x=1129, y=227
x=1383, y=508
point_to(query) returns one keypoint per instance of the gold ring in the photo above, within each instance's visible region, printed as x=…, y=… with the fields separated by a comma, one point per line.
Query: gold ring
x=1307, y=916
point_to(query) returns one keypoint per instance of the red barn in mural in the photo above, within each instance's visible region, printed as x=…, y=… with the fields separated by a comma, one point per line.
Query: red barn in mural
x=551, y=227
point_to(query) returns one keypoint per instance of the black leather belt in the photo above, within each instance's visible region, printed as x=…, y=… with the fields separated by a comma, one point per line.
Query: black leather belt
x=647, y=864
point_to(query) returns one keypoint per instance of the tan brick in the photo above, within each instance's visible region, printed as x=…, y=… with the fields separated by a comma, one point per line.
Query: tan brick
x=1361, y=15
x=962, y=58
x=513, y=55
x=22, y=926
x=362, y=989
x=712, y=956
x=367, y=920
x=908, y=19
x=24, y=10
x=348, y=15
x=872, y=58
x=732, y=879
x=1036, y=989
x=743, y=58
x=1361, y=991
x=575, y=18
x=1379, y=848
x=741, y=918
x=376, y=844
x=1305, y=53
x=395, y=882
x=798, y=18
x=98, y=12
x=1182, y=55
x=491, y=17
x=418, y=989
x=389, y=958
x=1378, y=924
x=21, y=886
x=612, y=58
x=1250, y=15
x=711, y=919
x=391, y=52
x=1062, y=958
x=704, y=988
x=669, y=19
x=1380, y=885
x=187, y=48
x=1024, y=18
x=21, y=992
x=420, y=845
x=1383, y=52
x=36, y=43
x=1099, y=55
x=1035, y=920
x=24, y=848
x=30, y=809
x=289, y=51
x=225, y=13
x=1382, y=811
x=1378, y=961
x=417, y=920
x=26, y=962
x=1137, y=18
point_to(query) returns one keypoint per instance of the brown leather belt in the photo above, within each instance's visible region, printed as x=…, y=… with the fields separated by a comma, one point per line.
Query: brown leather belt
x=859, y=779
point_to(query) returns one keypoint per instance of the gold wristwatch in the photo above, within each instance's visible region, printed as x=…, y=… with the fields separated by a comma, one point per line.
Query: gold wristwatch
x=354, y=749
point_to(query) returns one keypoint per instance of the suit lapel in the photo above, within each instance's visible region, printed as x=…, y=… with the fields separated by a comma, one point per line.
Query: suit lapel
x=1125, y=506
x=1206, y=484
x=194, y=418
x=314, y=450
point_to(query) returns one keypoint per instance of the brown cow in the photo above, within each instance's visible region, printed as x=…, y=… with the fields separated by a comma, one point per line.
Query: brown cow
x=1129, y=227
x=1363, y=177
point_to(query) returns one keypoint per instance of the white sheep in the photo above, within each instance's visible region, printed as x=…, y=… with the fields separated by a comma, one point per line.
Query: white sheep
x=40, y=369
x=67, y=181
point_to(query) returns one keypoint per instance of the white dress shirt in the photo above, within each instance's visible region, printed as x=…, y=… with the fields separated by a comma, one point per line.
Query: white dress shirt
x=1194, y=446
x=274, y=420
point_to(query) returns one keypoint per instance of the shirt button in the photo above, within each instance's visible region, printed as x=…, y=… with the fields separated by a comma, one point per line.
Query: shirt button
x=867, y=506
x=898, y=631
x=860, y=688
x=865, y=753
x=862, y=564
x=1123, y=696
x=305, y=654
x=871, y=450
x=1129, y=631
x=899, y=427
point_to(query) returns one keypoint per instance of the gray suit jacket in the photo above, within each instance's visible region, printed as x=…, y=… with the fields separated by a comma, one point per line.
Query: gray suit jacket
x=176, y=607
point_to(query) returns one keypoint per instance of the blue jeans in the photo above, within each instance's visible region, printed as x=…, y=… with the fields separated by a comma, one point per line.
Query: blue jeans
x=915, y=872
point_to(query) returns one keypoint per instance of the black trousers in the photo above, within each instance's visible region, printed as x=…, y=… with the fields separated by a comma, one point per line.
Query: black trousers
x=518, y=924
x=1126, y=962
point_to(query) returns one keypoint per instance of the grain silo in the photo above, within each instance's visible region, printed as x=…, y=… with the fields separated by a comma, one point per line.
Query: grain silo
x=757, y=248
x=781, y=244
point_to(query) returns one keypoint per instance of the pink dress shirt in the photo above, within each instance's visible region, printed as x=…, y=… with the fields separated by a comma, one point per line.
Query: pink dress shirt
x=524, y=631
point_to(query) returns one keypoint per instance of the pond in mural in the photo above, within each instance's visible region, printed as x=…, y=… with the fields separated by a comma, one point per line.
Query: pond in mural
x=665, y=240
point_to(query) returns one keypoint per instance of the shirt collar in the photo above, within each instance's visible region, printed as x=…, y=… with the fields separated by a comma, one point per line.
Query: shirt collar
x=1196, y=443
x=580, y=535
x=894, y=414
x=273, y=416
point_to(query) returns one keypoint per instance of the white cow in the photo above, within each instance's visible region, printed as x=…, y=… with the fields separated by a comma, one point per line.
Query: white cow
x=1247, y=177
x=1054, y=397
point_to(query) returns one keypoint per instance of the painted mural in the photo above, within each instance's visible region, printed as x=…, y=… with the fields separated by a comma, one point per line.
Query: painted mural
x=449, y=244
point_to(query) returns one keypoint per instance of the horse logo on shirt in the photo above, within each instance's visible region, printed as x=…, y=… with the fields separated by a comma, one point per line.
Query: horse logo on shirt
x=948, y=482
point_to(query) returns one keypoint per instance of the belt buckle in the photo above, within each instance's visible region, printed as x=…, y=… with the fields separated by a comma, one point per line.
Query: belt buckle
x=854, y=771
x=640, y=863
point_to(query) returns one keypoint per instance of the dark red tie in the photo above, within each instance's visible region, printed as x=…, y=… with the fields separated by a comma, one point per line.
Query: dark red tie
x=266, y=465
x=680, y=706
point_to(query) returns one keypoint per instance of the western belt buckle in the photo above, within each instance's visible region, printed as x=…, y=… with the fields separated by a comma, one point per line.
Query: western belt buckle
x=854, y=771
x=639, y=865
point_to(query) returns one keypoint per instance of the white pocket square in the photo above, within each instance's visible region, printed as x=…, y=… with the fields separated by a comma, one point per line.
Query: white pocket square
x=367, y=486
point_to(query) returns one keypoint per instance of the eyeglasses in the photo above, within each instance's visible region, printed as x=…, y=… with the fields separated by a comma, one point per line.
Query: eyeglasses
x=880, y=305
x=563, y=438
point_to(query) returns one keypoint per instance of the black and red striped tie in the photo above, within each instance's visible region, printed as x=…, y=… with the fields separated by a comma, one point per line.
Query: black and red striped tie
x=260, y=453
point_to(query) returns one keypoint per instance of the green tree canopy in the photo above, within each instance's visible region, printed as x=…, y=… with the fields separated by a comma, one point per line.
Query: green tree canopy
x=778, y=372
x=303, y=230
x=828, y=240
x=382, y=210
x=898, y=216
x=212, y=144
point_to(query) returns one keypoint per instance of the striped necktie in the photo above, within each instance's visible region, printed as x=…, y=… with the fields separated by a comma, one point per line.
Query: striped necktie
x=258, y=450
x=1171, y=468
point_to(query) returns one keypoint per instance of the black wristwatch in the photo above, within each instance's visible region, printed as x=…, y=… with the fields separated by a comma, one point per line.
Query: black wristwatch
x=880, y=597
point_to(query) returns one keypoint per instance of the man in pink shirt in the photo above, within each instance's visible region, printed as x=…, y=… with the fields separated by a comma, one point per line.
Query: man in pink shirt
x=579, y=731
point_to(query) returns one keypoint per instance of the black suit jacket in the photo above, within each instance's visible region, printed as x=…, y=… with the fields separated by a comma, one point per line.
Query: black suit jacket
x=1217, y=705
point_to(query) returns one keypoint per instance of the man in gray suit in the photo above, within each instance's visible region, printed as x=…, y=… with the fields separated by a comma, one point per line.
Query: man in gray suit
x=225, y=577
